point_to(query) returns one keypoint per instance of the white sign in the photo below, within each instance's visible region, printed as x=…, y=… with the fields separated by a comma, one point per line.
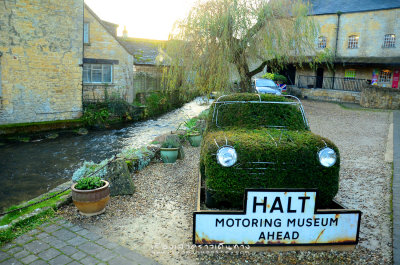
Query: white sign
x=278, y=217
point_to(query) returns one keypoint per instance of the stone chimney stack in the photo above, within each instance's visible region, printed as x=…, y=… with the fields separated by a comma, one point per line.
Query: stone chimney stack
x=125, y=33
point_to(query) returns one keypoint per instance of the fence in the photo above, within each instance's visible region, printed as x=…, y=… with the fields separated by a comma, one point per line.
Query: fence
x=145, y=82
x=345, y=84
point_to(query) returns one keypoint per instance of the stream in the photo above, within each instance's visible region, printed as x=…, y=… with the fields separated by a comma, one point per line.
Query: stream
x=28, y=170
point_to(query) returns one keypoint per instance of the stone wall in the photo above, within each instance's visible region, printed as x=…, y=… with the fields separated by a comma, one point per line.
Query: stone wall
x=380, y=97
x=40, y=73
x=103, y=45
x=326, y=94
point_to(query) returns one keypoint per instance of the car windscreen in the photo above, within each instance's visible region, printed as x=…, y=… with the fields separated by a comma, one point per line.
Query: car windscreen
x=256, y=115
x=265, y=82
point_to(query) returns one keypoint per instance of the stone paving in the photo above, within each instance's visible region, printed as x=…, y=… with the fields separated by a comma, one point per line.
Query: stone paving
x=396, y=187
x=60, y=242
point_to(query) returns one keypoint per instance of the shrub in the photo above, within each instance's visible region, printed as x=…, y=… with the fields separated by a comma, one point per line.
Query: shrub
x=171, y=141
x=89, y=168
x=275, y=77
x=89, y=183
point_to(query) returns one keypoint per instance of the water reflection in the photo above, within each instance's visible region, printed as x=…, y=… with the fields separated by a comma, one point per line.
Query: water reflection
x=30, y=169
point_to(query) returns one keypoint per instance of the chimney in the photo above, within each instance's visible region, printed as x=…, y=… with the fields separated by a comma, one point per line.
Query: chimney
x=125, y=33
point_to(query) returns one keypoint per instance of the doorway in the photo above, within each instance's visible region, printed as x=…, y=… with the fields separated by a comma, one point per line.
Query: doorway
x=320, y=78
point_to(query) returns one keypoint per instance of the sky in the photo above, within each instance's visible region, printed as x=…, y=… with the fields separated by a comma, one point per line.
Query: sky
x=150, y=19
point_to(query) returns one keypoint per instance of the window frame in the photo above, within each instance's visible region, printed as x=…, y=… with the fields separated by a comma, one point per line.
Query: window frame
x=349, y=74
x=352, y=42
x=389, y=41
x=383, y=76
x=101, y=71
x=322, y=42
x=86, y=31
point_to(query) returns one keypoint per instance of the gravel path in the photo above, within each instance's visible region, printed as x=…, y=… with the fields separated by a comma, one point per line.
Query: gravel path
x=157, y=220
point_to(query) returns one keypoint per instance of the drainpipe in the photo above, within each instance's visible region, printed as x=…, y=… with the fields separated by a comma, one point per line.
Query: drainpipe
x=336, y=47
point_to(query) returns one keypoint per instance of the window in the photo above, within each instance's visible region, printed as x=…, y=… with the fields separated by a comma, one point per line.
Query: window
x=321, y=42
x=349, y=74
x=385, y=76
x=97, y=73
x=353, y=42
x=85, y=33
x=389, y=41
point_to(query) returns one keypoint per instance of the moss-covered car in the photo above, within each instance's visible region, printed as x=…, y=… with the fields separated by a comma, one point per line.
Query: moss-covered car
x=264, y=141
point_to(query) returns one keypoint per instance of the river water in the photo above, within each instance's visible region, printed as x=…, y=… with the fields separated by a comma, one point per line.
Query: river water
x=30, y=169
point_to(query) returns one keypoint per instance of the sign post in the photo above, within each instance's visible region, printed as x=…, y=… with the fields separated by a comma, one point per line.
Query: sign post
x=277, y=217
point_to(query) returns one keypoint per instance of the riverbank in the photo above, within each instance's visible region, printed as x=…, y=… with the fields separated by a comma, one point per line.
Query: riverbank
x=31, y=169
x=157, y=220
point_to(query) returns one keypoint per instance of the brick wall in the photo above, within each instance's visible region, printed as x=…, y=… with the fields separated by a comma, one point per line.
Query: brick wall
x=41, y=42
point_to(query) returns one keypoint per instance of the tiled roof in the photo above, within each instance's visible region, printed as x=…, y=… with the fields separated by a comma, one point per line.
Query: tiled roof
x=146, y=48
x=320, y=7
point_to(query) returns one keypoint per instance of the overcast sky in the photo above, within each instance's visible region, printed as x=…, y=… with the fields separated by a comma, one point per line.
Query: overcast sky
x=151, y=19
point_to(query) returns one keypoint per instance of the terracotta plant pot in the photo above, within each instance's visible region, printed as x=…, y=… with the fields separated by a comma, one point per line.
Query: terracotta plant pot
x=169, y=155
x=91, y=202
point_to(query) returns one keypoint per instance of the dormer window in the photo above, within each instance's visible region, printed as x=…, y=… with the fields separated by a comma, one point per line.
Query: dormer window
x=353, y=42
x=321, y=42
x=389, y=41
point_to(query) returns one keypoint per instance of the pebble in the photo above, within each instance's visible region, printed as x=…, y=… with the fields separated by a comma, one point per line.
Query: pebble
x=157, y=219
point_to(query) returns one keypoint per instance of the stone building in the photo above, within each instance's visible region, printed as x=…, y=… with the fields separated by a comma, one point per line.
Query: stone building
x=363, y=38
x=147, y=71
x=40, y=60
x=107, y=63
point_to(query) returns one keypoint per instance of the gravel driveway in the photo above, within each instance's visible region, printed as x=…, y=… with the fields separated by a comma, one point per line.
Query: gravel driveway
x=157, y=220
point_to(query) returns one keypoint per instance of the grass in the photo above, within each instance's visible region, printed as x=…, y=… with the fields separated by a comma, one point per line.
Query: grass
x=8, y=218
x=25, y=226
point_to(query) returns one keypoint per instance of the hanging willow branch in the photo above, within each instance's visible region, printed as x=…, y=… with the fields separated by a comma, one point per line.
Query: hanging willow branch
x=223, y=37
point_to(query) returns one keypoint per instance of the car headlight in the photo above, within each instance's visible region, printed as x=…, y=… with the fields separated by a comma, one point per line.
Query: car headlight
x=327, y=157
x=226, y=156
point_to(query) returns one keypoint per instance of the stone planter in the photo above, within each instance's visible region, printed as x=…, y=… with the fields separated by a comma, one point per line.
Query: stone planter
x=169, y=155
x=91, y=202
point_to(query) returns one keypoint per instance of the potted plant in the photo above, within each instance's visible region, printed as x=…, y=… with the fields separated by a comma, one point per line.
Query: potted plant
x=192, y=132
x=90, y=195
x=169, y=149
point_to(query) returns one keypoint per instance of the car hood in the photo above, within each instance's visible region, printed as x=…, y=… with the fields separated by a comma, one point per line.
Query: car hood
x=268, y=145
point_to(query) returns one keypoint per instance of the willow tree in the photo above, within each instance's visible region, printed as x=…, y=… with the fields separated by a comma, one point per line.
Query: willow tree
x=220, y=37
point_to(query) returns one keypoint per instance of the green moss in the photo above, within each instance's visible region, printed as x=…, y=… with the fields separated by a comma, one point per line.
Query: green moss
x=256, y=115
x=49, y=203
x=27, y=124
x=292, y=153
x=24, y=226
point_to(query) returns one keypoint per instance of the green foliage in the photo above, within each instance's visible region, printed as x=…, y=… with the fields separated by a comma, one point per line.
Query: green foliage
x=93, y=115
x=171, y=141
x=275, y=77
x=137, y=159
x=89, y=183
x=114, y=109
x=157, y=103
x=89, y=168
x=48, y=203
x=26, y=225
x=257, y=115
x=292, y=151
x=220, y=36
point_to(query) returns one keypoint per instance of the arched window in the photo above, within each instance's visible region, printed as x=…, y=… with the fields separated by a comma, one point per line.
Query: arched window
x=321, y=42
x=353, y=42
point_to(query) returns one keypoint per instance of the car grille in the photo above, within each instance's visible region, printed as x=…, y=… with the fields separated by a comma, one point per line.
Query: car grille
x=258, y=168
